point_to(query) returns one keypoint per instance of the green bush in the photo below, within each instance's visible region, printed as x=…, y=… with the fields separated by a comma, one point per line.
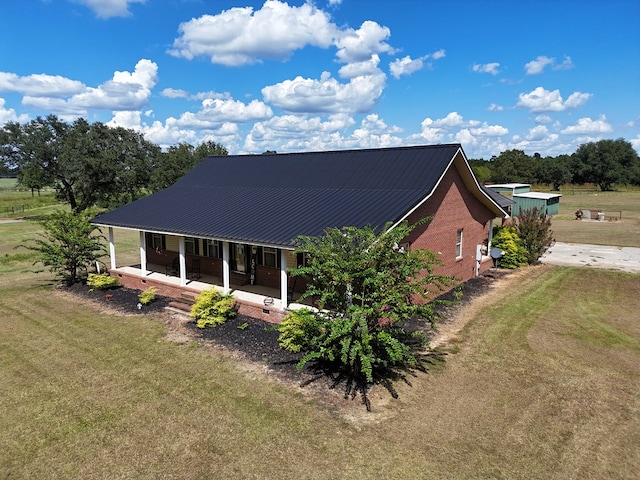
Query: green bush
x=102, y=281
x=298, y=329
x=148, y=296
x=213, y=308
x=507, y=240
x=349, y=340
x=534, y=229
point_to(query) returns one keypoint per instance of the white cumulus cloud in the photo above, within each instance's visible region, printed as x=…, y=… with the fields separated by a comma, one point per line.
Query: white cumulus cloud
x=538, y=65
x=408, y=65
x=40, y=85
x=453, y=127
x=542, y=100
x=359, y=45
x=125, y=91
x=493, y=68
x=241, y=36
x=10, y=115
x=588, y=126
x=306, y=95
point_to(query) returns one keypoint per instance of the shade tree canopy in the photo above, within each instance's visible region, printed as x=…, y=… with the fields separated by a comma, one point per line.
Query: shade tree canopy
x=92, y=163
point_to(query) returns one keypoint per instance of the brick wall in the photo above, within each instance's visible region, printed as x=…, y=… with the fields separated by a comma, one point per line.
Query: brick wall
x=453, y=207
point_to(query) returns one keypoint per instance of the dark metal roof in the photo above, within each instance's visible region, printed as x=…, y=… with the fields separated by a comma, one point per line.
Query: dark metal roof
x=501, y=200
x=270, y=199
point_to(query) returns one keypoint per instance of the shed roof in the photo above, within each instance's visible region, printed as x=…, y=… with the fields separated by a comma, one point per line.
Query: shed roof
x=538, y=195
x=270, y=199
x=508, y=185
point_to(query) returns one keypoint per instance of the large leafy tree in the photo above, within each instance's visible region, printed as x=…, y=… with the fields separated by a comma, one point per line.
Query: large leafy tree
x=69, y=244
x=555, y=171
x=87, y=164
x=607, y=163
x=513, y=166
x=367, y=286
x=178, y=160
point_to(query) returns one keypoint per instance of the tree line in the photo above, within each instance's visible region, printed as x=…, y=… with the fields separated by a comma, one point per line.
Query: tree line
x=605, y=163
x=93, y=164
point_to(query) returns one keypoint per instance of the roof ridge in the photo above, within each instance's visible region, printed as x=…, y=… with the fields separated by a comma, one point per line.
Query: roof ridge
x=348, y=150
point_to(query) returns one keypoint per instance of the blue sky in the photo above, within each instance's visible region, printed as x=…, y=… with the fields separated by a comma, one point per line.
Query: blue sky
x=541, y=76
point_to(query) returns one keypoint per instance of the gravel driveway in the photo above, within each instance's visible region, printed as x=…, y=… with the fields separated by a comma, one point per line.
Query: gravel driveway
x=598, y=256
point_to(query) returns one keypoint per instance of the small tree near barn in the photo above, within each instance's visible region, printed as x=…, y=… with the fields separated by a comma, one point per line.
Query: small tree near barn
x=534, y=229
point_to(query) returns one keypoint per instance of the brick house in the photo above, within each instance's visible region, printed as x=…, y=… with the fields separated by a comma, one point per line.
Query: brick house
x=230, y=221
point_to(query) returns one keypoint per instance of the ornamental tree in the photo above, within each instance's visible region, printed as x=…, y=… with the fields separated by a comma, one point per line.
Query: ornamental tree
x=534, y=230
x=366, y=285
x=68, y=245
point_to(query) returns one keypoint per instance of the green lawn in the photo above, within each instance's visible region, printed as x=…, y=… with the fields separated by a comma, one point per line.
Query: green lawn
x=545, y=384
x=623, y=232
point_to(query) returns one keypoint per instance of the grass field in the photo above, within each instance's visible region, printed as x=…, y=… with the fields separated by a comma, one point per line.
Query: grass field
x=545, y=383
x=14, y=203
x=623, y=232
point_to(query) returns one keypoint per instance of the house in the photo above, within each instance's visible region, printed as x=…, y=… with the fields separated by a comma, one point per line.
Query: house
x=231, y=221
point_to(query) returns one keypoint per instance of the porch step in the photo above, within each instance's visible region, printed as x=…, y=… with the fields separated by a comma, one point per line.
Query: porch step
x=187, y=297
x=183, y=307
x=179, y=311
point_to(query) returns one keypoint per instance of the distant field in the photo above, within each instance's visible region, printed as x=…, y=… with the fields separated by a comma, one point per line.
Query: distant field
x=622, y=218
x=22, y=203
x=8, y=183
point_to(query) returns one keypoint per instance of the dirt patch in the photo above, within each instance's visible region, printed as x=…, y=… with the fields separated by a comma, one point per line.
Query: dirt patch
x=253, y=343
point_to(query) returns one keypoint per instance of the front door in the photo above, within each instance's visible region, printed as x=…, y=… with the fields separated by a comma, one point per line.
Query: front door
x=239, y=258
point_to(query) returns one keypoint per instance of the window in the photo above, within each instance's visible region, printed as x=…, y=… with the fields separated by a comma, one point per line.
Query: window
x=212, y=248
x=302, y=259
x=156, y=241
x=192, y=245
x=459, y=243
x=269, y=257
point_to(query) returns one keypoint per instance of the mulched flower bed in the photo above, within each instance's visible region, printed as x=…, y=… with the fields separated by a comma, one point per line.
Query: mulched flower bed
x=120, y=299
x=256, y=340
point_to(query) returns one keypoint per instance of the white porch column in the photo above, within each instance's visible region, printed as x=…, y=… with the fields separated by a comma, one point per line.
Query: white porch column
x=225, y=267
x=283, y=279
x=112, y=249
x=143, y=255
x=183, y=261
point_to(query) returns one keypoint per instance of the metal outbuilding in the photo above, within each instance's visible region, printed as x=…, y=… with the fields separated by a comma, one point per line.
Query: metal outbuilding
x=546, y=202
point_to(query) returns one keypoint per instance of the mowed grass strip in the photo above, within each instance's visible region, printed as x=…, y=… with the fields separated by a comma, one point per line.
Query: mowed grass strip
x=89, y=395
x=538, y=388
x=546, y=384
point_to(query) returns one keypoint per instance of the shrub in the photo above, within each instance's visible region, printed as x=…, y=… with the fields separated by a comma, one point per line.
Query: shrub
x=102, y=281
x=367, y=285
x=148, y=296
x=298, y=329
x=534, y=229
x=213, y=308
x=507, y=240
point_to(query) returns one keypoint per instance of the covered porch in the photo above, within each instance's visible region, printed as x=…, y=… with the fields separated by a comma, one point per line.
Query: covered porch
x=176, y=265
